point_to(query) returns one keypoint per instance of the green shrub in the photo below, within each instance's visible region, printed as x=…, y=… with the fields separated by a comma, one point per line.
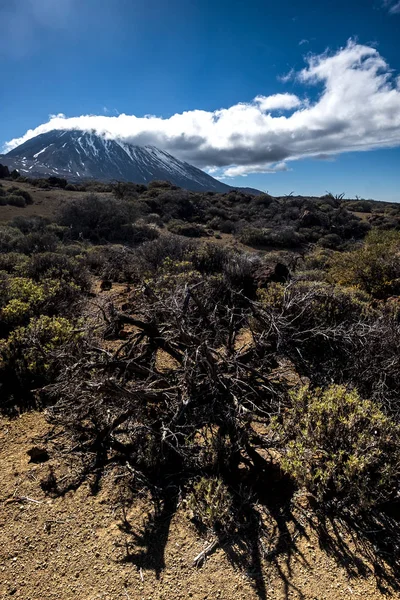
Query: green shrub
x=187, y=229
x=19, y=297
x=166, y=246
x=10, y=237
x=29, y=224
x=16, y=200
x=26, y=357
x=37, y=241
x=280, y=237
x=138, y=233
x=13, y=262
x=114, y=263
x=363, y=206
x=340, y=447
x=158, y=184
x=22, y=297
x=210, y=258
x=211, y=504
x=317, y=259
x=57, y=181
x=327, y=305
x=251, y=236
x=154, y=219
x=226, y=226
x=25, y=194
x=311, y=275
x=374, y=267
x=57, y=267
x=331, y=240
x=96, y=219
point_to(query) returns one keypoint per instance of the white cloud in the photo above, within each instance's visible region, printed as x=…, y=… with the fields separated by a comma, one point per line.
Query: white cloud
x=358, y=108
x=245, y=170
x=277, y=101
x=393, y=6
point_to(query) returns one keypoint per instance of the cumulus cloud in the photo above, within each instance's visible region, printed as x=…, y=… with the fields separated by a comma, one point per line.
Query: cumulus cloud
x=357, y=108
x=393, y=6
x=245, y=170
x=277, y=101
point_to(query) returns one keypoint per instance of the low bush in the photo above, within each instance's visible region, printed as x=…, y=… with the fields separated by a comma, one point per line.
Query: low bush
x=13, y=262
x=227, y=227
x=166, y=246
x=96, y=219
x=37, y=241
x=281, y=237
x=331, y=240
x=114, y=263
x=165, y=185
x=340, y=447
x=211, y=503
x=128, y=190
x=250, y=236
x=24, y=193
x=57, y=182
x=16, y=200
x=374, y=267
x=29, y=224
x=27, y=358
x=187, y=229
x=334, y=334
x=57, y=267
x=138, y=233
x=210, y=258
x=22, y=298
x=10, y=237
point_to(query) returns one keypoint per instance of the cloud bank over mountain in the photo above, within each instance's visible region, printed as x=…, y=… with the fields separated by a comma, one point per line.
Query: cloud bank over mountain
x=357, y=109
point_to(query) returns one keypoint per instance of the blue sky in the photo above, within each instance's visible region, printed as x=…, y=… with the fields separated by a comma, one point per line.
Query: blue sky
x=198, y=66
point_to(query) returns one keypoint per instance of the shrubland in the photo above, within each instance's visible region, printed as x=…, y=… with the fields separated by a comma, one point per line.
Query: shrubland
x=178, y=381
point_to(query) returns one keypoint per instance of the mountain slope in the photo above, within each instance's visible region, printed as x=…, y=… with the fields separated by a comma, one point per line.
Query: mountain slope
x=81, y=155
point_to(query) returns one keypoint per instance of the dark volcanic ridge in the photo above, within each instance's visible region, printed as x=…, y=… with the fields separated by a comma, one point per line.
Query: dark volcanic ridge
x=79, y=155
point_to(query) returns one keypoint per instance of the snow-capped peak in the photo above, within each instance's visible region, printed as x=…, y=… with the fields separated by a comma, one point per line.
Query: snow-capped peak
x=78, y=154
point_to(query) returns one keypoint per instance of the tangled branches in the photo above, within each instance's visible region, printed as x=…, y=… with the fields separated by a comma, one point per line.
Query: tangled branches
x=194, y=417
x=335, y=335
x=192, y=400
x=199, y=413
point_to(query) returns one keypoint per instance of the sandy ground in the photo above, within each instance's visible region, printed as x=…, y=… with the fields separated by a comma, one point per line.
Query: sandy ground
x=83, y=546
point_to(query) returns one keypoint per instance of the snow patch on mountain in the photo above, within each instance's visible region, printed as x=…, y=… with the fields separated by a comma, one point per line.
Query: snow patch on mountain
x=86, y=155
x=40, y=152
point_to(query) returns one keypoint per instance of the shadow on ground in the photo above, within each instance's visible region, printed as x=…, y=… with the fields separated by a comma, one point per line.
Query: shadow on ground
x=268, y=532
